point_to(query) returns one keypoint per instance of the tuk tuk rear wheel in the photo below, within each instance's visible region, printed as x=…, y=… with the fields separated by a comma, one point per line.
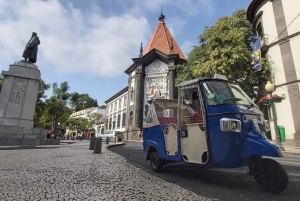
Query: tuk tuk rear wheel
x=156, y=162
x=274, y=178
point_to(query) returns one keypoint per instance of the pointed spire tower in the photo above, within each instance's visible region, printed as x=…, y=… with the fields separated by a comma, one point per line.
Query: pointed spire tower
x=152, y=75
x=163, y=41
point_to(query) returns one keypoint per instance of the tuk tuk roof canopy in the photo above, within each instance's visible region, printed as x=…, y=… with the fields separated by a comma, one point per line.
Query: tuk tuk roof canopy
x=164, y=103
x=195, y=81
x=190, y=82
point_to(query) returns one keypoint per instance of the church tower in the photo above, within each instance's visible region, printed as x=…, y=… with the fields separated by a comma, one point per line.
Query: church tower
x=152, y=75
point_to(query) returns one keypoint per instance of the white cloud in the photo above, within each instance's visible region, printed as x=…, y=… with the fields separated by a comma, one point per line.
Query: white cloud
x=184, y=7
x=186, y=47
x=177, y=12
x=71, y=40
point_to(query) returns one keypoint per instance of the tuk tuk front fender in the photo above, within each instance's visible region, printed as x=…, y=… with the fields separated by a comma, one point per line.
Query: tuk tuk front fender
x=259, y=146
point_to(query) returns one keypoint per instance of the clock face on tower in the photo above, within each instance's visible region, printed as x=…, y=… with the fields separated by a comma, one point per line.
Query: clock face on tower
x=157, y=64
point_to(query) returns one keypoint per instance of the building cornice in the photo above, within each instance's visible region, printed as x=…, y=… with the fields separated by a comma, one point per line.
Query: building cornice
x=253, y=6
x=152, y=56
x=117, y=95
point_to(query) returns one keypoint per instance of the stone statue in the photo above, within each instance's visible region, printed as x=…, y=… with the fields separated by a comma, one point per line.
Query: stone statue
x=31, y=49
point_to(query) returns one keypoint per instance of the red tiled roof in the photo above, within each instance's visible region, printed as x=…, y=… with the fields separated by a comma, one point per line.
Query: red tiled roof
x=161, y=40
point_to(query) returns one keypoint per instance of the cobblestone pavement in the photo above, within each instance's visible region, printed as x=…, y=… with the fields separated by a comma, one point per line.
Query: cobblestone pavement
x=72, y=172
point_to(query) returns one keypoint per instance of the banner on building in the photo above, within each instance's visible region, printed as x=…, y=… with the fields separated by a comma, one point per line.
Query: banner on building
x=256, y=56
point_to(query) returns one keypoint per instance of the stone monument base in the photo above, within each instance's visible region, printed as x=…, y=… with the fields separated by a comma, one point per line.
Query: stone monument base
x=133, y=133
x=297, y=139
x=16, y=136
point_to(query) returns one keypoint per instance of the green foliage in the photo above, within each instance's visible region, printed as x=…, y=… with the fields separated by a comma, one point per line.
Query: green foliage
x=1, y=81
x=79, y=124
x=61, y=93
x=225, y=48
x=52, y=111
x=57, y=104
x=40, y=105
x=94, y=118
x=82, y=101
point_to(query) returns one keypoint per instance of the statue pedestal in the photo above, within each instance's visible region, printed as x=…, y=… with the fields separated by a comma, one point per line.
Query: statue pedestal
x=133, y=132
x=17, y=105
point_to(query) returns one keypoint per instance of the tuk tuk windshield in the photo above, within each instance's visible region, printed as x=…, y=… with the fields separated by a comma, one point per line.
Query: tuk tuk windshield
x=225, y=93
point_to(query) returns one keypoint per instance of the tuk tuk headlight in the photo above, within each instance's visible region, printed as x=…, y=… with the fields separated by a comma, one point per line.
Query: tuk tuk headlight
x=230, y=125
x=233, y=125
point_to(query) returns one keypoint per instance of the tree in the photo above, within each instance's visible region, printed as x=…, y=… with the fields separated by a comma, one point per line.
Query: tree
x=225, y=48
x=40, y=104
x=94, y=119
x=1, y=81
x=57, y=104
x=78, y=124
x=82, y=101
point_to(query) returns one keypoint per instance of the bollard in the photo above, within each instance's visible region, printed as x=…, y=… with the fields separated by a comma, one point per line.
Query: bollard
x=92, y=143
x=114, y=139
x=98, y=146
x=107, y=140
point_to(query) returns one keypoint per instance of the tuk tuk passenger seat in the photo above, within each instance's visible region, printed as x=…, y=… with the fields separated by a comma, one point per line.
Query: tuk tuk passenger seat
x=198, y=118
x=167, y=120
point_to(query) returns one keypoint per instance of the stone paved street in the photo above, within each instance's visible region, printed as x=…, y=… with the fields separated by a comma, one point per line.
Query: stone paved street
x=72, y=172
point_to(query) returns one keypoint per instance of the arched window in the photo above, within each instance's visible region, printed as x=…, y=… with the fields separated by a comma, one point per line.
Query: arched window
x=131, y=94
x=124, y=119
x=119, y=121
x=131, y=117
x=110, y=124
x=107, y=124
x=259, y=30
x=120, y=103
x=125, y=101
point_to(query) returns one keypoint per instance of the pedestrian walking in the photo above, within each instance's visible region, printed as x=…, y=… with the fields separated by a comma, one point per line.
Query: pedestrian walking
x=49, y=133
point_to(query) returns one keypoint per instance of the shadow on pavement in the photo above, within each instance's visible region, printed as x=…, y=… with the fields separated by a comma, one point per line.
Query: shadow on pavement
x=26, y=147
x=223, y=184
x=66, y=142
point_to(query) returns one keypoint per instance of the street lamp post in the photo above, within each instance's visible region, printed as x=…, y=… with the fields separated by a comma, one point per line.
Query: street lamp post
x=270, y=88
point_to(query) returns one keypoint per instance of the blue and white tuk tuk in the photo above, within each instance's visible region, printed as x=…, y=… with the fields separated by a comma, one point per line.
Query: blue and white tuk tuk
x=213, y=123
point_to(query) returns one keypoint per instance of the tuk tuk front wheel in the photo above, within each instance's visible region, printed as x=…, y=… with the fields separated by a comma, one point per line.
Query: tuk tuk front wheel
x=156, y=162
x=274, y=178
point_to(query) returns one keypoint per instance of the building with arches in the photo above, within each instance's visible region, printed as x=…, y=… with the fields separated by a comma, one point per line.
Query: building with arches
x=152, y=75
x=277, y=24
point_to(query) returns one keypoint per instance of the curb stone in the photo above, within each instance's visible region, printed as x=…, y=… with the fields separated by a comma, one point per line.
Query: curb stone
x=115, y=145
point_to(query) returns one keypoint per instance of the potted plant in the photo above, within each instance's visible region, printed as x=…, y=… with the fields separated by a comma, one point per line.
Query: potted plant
x=275, y=98
x=278, y=99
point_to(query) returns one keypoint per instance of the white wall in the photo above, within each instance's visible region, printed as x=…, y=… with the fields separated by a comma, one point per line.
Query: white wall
x=291, y=9
x=268, y=21
x=295, y=46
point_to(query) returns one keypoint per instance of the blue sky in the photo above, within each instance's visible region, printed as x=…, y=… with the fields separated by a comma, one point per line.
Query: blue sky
x=90, y=43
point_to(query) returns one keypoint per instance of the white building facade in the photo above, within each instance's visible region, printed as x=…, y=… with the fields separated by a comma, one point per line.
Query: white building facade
x=89, y=111
x=116, y=111
x=277, y=23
